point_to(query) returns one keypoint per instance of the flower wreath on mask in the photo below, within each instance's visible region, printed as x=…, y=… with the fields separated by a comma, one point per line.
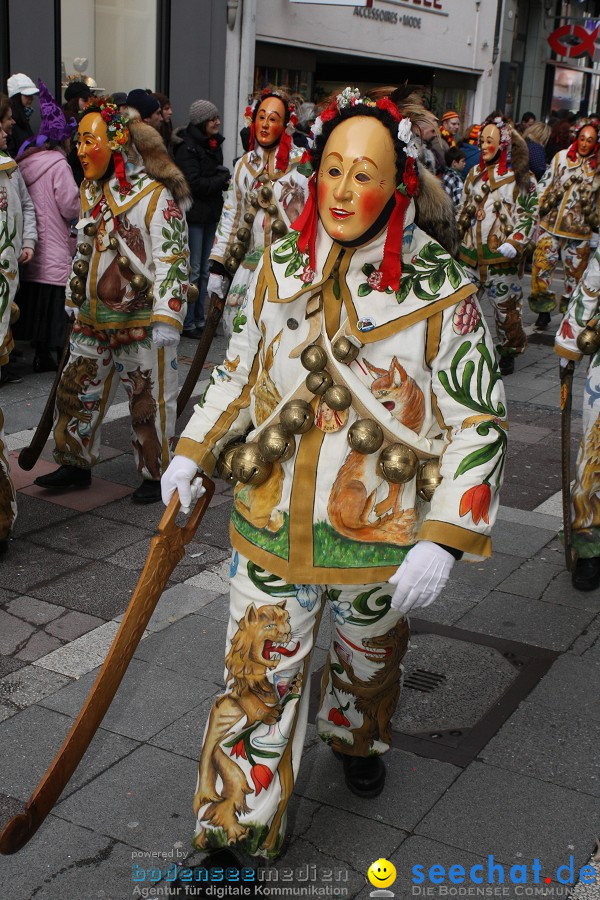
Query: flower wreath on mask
x=391, y=267
x=117, y=133
x=503, y=126
x=291, y=122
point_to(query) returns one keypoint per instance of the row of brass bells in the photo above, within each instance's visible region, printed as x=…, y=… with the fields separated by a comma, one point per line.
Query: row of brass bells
x=365, y=436
x=336, y=396
x=276, y=444
x=344, y=350
x=81, y=267
x=77, y=285
x=224, y=462
x=249, y=465
x=296, y=417
x=319, y=382
x=85, y=248
x=90, y=229
x=397, y=463
x=588, y=341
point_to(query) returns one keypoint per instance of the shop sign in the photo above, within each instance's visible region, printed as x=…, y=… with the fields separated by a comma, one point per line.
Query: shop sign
x=361, y=3
x=573, y=40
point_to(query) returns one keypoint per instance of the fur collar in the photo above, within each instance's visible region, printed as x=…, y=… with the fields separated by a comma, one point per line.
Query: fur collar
x=157, y=162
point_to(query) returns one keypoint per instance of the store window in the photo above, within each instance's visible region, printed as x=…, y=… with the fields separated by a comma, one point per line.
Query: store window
x=110, y=44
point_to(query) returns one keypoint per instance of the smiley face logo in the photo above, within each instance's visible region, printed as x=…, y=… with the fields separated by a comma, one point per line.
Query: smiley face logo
x=381, y=873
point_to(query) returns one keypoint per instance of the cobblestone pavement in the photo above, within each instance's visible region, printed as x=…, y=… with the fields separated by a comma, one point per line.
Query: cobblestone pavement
x=527, y=788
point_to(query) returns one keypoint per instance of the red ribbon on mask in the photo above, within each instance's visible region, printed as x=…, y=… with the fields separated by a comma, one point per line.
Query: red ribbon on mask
x=306, y=223
x=391, y=265
x=283, y=152
x=124, y=186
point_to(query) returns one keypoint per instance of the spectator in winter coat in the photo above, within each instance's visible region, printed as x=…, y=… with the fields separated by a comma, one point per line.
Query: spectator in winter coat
x=21, y=91
x=451, y=178
x=537, y=137
x=166, y=111
x=50, y=182
x=470, y=146
x=197, y=152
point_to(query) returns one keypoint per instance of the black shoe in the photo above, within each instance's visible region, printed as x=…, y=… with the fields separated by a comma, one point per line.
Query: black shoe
x=542, y=321
x=364, y=775
x=65, y=477
x=7, y=376
x=147, y=492
x=225, y=858
x=586, y=575
x=194, y=333
x=44, y=363
x=507, y=365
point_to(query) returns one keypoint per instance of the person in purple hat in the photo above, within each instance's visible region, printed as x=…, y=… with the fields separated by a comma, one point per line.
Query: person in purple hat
x=49, y=179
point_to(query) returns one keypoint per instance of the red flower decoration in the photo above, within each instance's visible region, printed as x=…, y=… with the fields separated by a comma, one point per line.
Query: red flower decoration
x=261, y=776
x=338, y=718
x=565, y=329
x=410, y=178
x=330, y=113
x=390, y=107
x=476, y=501
x=172, y=211
x=239, y=750
x=174, y=304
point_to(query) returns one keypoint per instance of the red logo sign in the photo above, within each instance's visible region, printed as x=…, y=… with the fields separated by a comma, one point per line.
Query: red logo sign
x=573, y=40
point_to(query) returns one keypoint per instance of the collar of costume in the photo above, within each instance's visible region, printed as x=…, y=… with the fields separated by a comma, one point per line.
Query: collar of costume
x=352, y=276
x=493, y=175
x=263, y=159
x=94, y=192
x=7, y=163
x=574, y=159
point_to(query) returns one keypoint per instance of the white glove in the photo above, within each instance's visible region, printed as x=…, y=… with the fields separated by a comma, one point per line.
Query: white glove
x=217, y=284
x=507, y=250
x=72, y=312
x=178, y=477
x=164, y=335
x=421, y=577
x=595, y=238
x=563, y=362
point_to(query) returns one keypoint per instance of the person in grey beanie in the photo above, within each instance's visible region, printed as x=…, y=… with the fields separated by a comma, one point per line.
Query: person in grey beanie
x=197, y=152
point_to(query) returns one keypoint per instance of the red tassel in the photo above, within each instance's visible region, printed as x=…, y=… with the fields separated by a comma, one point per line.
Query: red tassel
x=252, y=135
x=391, y=264
x=481, y=161
x=124, y=186
x=572, y=152
x=503, y=161
x=306, y=223
x=283, y=153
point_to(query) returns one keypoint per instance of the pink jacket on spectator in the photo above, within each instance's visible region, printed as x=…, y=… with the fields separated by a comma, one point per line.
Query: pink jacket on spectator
x=55, y=196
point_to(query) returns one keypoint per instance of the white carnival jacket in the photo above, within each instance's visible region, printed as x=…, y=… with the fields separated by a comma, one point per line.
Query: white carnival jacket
x=569, y=188
x=425, y=372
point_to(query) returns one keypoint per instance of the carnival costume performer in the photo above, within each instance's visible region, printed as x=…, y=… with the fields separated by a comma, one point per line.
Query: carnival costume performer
x=578, y=335
x=359, y=310
x=497, y=217
x=18, y=236
x=266, y=193
x=128, y=292
x=569, y=195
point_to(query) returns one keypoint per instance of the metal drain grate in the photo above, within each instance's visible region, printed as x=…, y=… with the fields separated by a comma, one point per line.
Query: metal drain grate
x=422, y=680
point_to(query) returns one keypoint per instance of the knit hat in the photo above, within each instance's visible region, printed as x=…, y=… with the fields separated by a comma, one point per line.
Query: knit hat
x=77, y=89
x=119, y=97
x=144, y=102
x=20, y=84
x=202, y=111
x=54, y=126
x=450, y=114
x=474, y=135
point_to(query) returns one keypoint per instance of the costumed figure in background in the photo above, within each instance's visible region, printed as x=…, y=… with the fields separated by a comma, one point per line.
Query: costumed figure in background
x=569, y=195
x=496, y=219
x=266, y=194
x=579, y=335
x=18, y=236
x=367, y=376
x=128, y=293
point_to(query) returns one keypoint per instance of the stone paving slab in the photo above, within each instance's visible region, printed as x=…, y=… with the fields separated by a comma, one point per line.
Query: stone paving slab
x=521, y=822
x=14, y=633
x=71, y=625
x=83, y=500
x=90, y=537
x=530, y=621
x=83, y=654
x=184, y=736
x=149, y=698
x=479, y=578
x=23, y=478
x=214, y=578
x=10, y=664
x=30, y=740
x=37, y=515
x=300, y=852
x=197, y=556
x=120, y=468
x=193, y=647
x=29, y=685
x=176, y=603
x=38, y=612
x=413, y=785
x=98, y=588
x=530, y=579
x=38, y=645
x=33, y=565
x=570, y=685
x=561, y=591
x=519, y=540
x=561, y=748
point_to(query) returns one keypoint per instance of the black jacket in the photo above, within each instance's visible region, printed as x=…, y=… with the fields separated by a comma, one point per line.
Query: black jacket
x=204, y=172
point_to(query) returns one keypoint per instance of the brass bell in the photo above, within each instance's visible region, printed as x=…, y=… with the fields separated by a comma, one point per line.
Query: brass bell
x=238, y=251
x=113, y=243
x=249, y=218
x=149, y=297
x=365, y=436
x=249, y=466
x=478, y=198
x=77, y=298
x=485, y=187
x=313, y=358
x=90, y=229
x=123, y=263
x=224, y=469
x=276, y=444
x=252, y=198
x=243, y=235
x=503, y=217
x=497, y=205
x=81, y=267
x=428, y=478
x=139, y=283
x=232, y=264
x=297, y=417
x=266, y=193
x=544, y=209
x=77, y=284
x=344, y=350
x=85, y=248
x=278, y=226
x=397, y=463
x=337, y=397
x=263, y=178
x=589, y=340
x=318, y=382
x=192, y=293
x=272, y=209
x=471, y=209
